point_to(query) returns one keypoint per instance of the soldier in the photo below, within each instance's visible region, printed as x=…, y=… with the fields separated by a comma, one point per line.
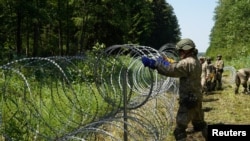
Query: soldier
x=219, y=65
x=188, y=70
x=242, y=78
x=203, y=74
x=211, y=72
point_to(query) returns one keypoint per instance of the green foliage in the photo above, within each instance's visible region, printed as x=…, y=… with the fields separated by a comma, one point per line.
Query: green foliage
x=230, y=34
x=241, y=62
x=60, y=27
x=165, y=27
x=48, y=109
x=42, y=101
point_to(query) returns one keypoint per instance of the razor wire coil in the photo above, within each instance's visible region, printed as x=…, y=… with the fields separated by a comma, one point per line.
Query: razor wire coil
x=82, y=97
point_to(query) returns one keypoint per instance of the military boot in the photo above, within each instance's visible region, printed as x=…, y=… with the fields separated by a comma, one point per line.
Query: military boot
x=180, y=134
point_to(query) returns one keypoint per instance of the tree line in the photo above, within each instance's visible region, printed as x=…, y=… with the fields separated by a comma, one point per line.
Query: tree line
x=230, y=34
x=69, y=27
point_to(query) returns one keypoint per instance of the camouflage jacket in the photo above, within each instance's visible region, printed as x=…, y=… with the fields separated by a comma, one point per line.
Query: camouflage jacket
x=204, y=70
x=188, y=70
x=211, y=70
x=244, y=73
x=219, y=64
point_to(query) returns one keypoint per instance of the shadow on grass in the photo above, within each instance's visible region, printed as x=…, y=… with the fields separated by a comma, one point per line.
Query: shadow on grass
x=219, y=123
x=210, y=99
x=207, y=109
x=214, y=92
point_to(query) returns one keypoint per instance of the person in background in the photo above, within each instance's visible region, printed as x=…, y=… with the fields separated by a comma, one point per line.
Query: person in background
x=188, y=70
x=203, y=74
x=219, y=65
x=211, y=75
x=242, y=78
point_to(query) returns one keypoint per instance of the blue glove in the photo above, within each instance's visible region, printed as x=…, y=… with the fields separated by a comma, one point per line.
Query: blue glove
x=163, y=61
x=148, y=62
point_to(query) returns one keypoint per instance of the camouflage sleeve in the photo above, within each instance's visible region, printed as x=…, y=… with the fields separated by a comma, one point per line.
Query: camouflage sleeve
x=208, y=70
x=178, y=69
x=222, y=64
x=219, y=64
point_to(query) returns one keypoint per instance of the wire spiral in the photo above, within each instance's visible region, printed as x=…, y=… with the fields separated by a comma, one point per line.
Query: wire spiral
x=111, y=96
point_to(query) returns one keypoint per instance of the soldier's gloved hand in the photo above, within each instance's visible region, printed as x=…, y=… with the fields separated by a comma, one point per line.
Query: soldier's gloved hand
x=148, y=62
x=163, y=61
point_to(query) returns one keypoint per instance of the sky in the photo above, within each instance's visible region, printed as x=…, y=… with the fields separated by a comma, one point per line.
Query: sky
x=195, y=18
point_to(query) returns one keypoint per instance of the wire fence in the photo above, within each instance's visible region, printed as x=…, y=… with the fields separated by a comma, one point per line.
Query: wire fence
x=105, y=96
x=109, y=96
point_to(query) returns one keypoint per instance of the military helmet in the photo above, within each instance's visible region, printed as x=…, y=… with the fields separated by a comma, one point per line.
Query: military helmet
x=219, y=55
x=185, y=44
x=202, y=58
x=209, y=59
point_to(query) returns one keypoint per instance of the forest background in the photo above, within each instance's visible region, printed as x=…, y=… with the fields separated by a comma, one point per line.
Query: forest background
x=62, y=27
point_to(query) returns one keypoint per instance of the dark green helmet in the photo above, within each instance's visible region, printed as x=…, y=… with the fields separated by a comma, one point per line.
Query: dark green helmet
x=209, y=59
x=219, y=55
x=202, y=58
x=185, y=44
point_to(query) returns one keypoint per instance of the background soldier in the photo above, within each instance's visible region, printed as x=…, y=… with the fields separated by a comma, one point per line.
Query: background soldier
x=211, y=75
x=242, y=78
x=203, y=74
x=219, y=65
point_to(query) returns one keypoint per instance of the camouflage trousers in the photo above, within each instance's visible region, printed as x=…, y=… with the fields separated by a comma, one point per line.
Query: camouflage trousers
x=218, y=80
x=186, y=115
x=204, y=85
x=211, y=82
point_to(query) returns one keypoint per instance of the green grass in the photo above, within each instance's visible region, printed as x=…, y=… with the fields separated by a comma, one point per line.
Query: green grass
x=227, y=107
x=242, y=62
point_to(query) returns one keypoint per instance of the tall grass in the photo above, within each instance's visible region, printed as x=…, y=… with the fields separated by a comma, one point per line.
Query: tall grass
x=239, y=62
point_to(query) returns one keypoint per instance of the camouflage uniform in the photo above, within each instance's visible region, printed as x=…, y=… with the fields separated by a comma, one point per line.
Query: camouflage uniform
x=219, y=65
x=203, y=74
x=242, y=78
x=211, y=72
x=188, y=70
